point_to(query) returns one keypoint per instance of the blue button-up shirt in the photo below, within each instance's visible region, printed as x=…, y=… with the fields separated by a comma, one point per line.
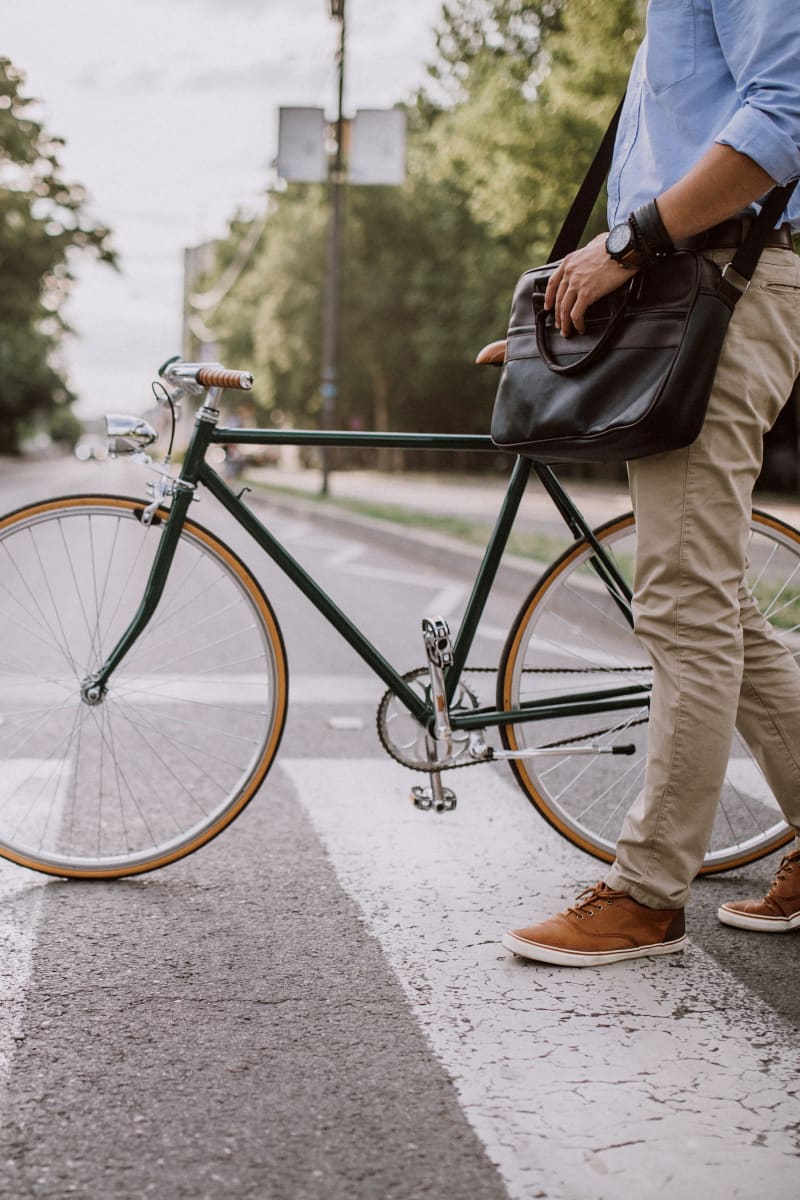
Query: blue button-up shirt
x=709, y=71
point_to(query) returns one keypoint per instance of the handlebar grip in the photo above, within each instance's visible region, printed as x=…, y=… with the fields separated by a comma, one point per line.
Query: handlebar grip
x=221, y=378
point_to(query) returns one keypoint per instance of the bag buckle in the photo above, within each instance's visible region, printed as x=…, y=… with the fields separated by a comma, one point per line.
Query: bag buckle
x=735, y=279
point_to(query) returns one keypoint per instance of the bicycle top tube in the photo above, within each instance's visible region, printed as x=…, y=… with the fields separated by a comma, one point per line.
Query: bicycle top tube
x=196, y=380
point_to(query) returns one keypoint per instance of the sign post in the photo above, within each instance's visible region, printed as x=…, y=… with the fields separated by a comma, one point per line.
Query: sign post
x=376, y=148
x=329, y=375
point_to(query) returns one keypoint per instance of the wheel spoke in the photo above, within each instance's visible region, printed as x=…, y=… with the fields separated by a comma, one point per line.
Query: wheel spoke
x=567, y=624
x=165, y=758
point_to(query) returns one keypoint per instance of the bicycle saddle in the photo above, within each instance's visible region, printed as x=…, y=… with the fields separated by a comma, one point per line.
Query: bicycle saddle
x=494, y=354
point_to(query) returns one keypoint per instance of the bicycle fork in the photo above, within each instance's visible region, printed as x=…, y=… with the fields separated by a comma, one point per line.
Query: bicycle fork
x=95, y=686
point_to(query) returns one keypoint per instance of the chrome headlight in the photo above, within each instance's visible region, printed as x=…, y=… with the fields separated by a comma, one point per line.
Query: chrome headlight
x=128, y=435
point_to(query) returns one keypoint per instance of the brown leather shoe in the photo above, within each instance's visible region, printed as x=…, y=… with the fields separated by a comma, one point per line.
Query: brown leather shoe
x=779, y=911
x=602, y=926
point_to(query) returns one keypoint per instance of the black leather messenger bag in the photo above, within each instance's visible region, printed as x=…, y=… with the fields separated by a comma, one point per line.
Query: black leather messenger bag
x=638, y=381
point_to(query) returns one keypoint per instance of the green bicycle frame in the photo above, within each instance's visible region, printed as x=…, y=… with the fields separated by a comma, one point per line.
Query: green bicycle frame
x=197, y=471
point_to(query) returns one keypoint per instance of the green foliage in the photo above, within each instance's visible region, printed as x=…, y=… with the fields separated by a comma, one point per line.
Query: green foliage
x=42, y=222
x=519, y=96
x=271, y=320
x=520, y=159
x=474, y=37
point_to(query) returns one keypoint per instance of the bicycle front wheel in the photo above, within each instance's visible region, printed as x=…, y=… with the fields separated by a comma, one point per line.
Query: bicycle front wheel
x=571, y=636
x=193, y=714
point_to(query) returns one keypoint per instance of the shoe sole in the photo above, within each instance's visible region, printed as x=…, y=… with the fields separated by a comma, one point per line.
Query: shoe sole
x=738, y=920
x=577, y=958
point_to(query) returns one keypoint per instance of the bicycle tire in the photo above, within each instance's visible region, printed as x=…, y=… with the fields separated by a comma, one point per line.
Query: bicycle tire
x=193, y=715
x=570, y=626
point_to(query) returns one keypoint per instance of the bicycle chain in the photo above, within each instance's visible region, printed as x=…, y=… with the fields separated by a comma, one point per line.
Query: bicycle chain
x=430, y=768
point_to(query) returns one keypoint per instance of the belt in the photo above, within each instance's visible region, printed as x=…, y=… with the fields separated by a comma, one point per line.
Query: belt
x=730, y=234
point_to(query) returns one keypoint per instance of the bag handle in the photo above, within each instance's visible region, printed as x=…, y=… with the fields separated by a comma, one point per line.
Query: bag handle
x=591, y=355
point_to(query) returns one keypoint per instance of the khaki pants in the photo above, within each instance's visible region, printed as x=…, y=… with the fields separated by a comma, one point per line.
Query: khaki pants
x=716, y=664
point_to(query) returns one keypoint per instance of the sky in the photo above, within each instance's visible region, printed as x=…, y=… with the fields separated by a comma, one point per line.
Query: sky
x=169, y=109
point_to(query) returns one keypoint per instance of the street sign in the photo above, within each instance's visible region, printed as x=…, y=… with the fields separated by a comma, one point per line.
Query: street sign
x=378, y=147
x=301, y=145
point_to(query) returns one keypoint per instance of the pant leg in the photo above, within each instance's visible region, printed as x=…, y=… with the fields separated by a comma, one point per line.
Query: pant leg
x=693, y=510
x=768, y=716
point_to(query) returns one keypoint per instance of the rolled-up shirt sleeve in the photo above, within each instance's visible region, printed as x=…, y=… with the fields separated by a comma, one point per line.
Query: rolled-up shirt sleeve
x=760, y=40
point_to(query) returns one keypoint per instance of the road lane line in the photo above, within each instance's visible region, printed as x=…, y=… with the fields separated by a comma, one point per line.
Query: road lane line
x=21, y=893
x=20, y=909
x=650, y=1072
x=163, y=688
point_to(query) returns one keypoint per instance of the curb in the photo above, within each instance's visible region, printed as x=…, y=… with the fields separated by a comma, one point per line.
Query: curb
x=516, y=575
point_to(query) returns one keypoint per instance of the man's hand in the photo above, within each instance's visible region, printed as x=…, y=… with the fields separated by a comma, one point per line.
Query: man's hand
x=584, y=276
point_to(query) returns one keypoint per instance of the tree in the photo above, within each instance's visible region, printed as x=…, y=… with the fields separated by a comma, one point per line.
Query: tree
x=430, y=267
x=473, y=37
x=42, y=223
x=271, y=320
x=520, y=159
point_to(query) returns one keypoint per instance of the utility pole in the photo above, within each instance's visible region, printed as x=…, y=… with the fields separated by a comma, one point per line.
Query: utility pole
x=329, y=382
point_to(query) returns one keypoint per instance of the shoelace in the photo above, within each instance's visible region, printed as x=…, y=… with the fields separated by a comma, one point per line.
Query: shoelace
x=787, y=865
x=592, y=900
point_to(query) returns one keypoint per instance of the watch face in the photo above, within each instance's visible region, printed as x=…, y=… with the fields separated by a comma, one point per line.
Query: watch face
x=620, y=239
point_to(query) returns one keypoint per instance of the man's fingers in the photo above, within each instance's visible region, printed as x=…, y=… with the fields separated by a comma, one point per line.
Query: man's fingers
x=552, y=286
x=564, y=305
x=577, y=315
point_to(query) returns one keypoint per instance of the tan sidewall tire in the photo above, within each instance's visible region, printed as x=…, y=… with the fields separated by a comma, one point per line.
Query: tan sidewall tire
x=505, y=688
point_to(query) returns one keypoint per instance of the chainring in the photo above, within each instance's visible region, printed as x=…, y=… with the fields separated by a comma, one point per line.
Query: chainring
x=408, y=742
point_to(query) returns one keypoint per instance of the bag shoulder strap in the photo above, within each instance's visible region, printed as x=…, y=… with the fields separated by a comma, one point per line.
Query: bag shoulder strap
x=580, y=210
x=746, y=258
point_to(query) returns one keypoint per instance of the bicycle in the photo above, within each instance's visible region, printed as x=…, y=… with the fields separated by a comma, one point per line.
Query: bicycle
x=144, y=682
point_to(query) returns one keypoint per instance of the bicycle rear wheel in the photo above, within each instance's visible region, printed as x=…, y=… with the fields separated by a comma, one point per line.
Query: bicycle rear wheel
x=571, y=636
x=193, y=714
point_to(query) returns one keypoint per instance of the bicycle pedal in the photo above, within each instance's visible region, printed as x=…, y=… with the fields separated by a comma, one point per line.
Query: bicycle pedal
x=428, y=799
x=438, y=646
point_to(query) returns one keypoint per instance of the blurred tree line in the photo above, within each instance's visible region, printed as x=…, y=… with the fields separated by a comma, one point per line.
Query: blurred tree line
x=518, y=97
x=42, y=223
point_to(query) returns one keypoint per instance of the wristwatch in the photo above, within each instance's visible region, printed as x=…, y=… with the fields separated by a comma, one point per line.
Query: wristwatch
x=624, y=245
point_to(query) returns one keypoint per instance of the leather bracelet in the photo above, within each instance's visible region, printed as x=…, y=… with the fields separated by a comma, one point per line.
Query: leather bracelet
x=647, y=221
x=641, y=244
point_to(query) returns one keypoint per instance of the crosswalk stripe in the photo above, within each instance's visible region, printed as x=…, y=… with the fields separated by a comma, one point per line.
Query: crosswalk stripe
x=571, y=1078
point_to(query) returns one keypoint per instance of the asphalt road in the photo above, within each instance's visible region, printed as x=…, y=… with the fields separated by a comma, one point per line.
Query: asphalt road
x=315, y=1004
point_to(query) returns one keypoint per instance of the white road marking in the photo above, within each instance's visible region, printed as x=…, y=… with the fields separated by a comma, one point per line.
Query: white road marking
x=21, y=893
x=345, y=724
x=492, y=633
x=346, y=556
x=159, y=688
x=665, y=1074
x=20, y=909
x=447, y=600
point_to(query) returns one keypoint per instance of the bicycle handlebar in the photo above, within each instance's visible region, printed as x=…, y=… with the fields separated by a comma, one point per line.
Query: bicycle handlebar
x=221, y=377
x=207, y=375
